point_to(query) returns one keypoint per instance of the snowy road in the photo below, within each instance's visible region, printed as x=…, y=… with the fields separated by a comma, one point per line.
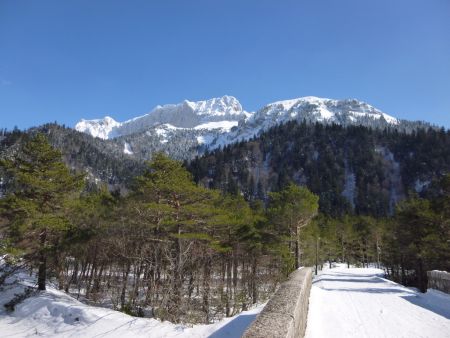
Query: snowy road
x=360, y=303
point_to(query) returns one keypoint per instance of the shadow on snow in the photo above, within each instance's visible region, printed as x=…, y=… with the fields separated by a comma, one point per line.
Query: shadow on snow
x=234, y=328
x=433, y=303
x=359, y=280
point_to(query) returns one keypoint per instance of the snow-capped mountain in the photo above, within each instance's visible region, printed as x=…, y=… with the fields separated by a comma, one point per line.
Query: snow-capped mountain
x=322, y=110
x=311, y=109
x=217, y=113
x=217, y=122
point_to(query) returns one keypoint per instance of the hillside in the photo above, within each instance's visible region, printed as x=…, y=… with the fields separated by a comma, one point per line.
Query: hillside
x=352, y=169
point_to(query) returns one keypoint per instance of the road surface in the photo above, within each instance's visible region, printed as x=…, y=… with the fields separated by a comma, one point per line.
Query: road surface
x=360, y=303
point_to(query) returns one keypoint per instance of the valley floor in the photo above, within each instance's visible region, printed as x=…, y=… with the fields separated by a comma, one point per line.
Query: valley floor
x=360, y=303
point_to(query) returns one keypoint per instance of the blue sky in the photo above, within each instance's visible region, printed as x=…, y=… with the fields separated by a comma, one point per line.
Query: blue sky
x=67, y=60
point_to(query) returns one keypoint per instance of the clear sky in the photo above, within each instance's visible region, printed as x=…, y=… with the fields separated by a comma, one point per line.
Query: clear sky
x=67, y=60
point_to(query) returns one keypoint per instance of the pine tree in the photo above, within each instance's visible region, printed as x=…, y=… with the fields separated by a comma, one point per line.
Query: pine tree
x=293, y=208
x=178, y=210
x=417, y=232
x=36, y=209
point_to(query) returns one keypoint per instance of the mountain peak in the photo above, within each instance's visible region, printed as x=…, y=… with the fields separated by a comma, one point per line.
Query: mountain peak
x=347, y=111
x=98, y=128
x=219, y=106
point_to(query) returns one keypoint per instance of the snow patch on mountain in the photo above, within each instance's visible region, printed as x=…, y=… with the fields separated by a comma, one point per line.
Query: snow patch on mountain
x=224, y=126
x=205, y=139
x=390, y=119
x=165, y=132
x=127, y=149
x=349, y=191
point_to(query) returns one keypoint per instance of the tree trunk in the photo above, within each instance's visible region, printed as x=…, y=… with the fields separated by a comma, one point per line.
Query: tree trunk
x=175, y=299
x=124, y=284
x=191, y=284
x=421, y=276
x=206, y=288
x=229, y=263
x=402, y=263
x=97, y=280
x=59, y=265
x=254, y=280
x=42, y=273
x=297, y=248
x=72, y=278
x=378, y=253
x=317, y=253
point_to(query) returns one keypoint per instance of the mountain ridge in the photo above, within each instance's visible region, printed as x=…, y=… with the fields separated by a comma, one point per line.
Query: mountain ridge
x=186, y=114
x=224, y=113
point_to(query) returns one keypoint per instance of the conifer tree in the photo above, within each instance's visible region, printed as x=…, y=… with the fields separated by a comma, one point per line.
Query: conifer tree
x=179, y=210
x=293, y=208
x=36, y=209
x=420, y=237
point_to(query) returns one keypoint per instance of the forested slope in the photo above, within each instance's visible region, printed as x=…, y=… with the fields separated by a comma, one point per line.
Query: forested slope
x=353, y=169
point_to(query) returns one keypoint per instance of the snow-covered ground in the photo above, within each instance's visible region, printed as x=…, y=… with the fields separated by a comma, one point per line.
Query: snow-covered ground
x=55, y=314
x=360, y=303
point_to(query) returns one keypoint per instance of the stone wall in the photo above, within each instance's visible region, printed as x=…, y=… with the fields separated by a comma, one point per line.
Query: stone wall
x=286, y=313
x=439, y=280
